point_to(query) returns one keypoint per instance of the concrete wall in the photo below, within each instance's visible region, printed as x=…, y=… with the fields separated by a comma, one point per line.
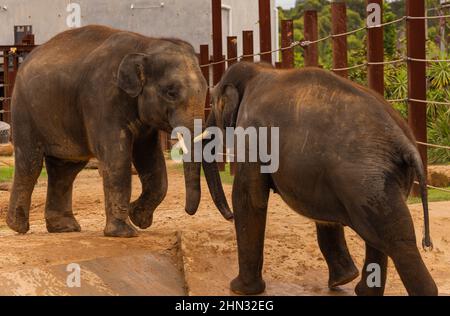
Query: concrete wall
x=189, y=20
x=245, y=16
x=186, y=19
x=48, y=18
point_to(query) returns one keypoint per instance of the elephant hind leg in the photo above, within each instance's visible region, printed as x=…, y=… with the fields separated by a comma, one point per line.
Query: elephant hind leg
x=374, y=273
x=58, y=210
x=412, y=270
x=27, y=169
x=388, y=227
x=341, y=267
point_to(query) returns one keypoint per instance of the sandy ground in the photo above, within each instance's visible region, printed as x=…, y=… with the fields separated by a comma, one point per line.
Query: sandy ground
x=187, y=255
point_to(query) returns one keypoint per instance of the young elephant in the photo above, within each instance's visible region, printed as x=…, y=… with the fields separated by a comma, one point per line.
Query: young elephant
x=104, y=93
x=345, y=157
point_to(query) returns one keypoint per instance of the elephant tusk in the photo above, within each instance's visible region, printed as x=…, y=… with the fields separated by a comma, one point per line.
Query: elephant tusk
x=201, y=137
x=182, y=143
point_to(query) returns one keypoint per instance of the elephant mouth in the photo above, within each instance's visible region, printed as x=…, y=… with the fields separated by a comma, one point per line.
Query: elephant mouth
x=197, y=139
x=192, y=172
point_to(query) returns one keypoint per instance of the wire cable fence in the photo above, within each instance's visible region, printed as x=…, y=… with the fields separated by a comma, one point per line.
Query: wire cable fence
x=306, y=43
x=331, y=36
x=402, y=60
x=435, y=188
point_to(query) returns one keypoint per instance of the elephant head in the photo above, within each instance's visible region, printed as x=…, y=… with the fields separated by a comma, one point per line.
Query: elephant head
x=170, y=92
x=228, y=94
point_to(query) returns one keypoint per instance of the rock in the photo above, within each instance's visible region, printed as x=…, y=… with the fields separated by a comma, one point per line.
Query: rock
x=6, y=161
x=439, y=176
x=6, y=149
x=5, y=186
x=439, y=180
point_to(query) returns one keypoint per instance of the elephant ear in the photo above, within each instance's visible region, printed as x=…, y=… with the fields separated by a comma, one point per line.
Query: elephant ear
x=131, y=74
x=230, y=105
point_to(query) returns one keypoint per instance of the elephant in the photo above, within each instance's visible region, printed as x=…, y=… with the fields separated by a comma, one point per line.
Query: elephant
x=98, y=92
x=346, y=158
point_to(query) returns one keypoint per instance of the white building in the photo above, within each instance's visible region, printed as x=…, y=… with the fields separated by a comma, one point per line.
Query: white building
x=190, y=20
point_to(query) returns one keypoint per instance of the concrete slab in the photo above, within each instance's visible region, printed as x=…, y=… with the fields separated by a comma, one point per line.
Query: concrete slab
x=139, y=275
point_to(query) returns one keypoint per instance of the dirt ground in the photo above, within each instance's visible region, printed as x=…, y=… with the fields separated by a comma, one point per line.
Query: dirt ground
x=180, y=254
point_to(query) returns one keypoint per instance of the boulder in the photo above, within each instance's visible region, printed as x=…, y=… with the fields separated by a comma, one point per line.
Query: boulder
x=6, y=149
x=439, y=176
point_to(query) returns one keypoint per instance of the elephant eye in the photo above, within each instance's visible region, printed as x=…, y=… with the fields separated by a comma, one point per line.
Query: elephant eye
x=171, y=92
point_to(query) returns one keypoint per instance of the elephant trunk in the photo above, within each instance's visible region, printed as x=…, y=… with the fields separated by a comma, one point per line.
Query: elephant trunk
x=192, y=174
x=213, y=179
x=193, y=189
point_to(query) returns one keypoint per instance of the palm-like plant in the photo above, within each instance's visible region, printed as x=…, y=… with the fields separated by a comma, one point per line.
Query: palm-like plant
x=397, y=87
x=439, y=133
x=439, y=115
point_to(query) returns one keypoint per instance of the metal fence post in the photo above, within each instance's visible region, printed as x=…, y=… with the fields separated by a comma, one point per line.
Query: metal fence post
x=232, y=59
x=232, y=50
x=375, y=53
x=417, y=84
x=204, y=60
x=311, y=33
x=339, y=26
x=287, y=38
x=218, y=69
x=247, y=44
x=265, y=30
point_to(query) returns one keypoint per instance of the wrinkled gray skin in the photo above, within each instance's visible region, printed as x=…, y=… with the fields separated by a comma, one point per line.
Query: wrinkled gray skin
x=346, y=159
x=104, y=93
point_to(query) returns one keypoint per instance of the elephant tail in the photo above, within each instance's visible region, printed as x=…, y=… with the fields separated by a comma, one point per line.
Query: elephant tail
x=412, y=157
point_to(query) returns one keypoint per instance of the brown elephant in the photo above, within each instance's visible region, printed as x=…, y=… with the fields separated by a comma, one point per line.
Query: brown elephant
x=104, y=93
x=346, y=158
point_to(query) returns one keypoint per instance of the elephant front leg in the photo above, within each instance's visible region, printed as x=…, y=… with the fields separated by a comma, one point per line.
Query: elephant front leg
x=116, y=172
x=341, y=267
x=148, y=159
x=250, y=198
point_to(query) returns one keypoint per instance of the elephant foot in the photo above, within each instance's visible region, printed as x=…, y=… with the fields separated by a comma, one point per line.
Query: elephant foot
x=341, y=276
x=120, y=228
x=62, y=224
x=363, y=290
x=18, y=222
x=139, y=216
x=241, y=288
